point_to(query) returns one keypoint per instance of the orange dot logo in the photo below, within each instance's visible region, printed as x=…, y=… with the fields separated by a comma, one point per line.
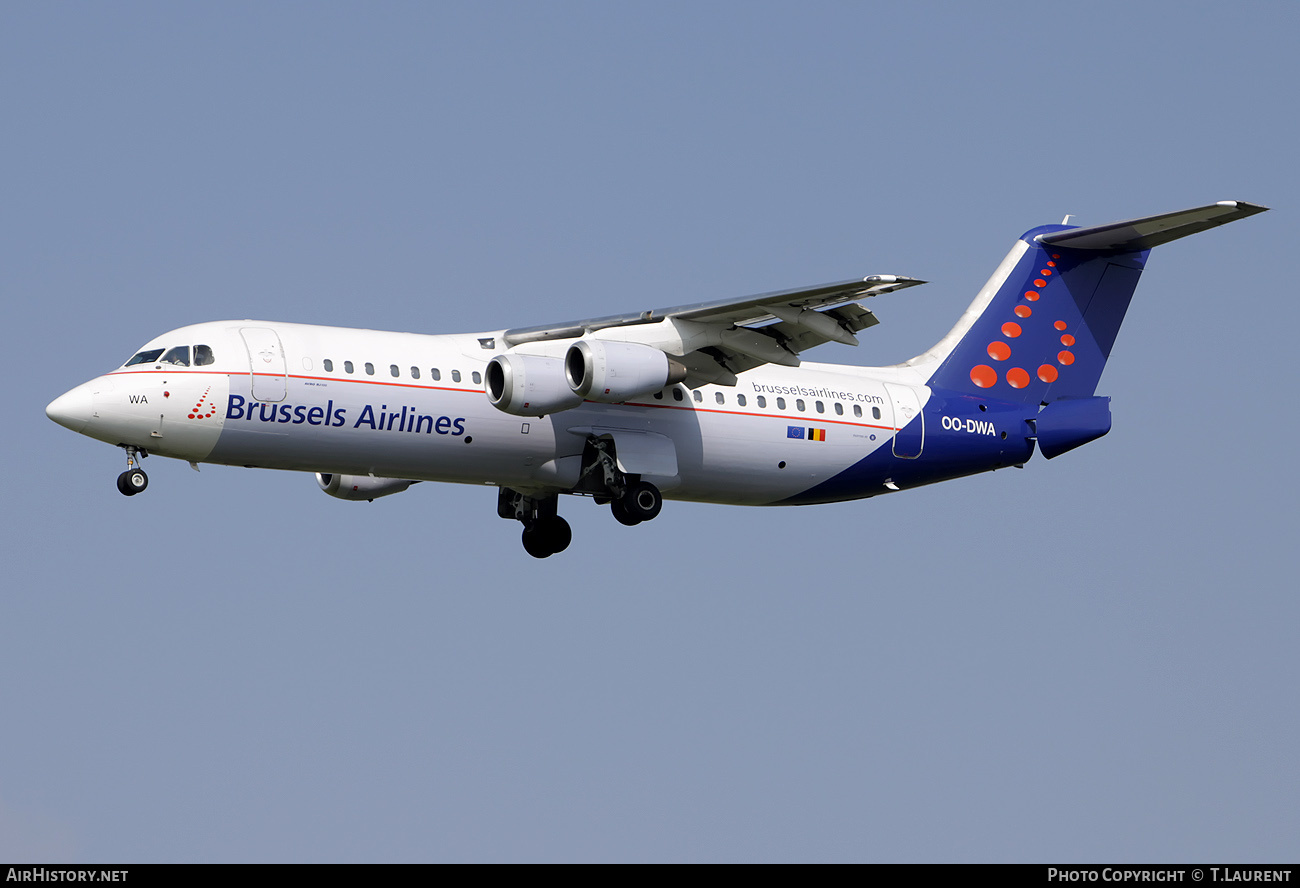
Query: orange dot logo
x=1045, y=272
x=1031, y=295
x=999, y=351
x=1023, y=311
x=1011, y=329
x=984, y=376
x=1060, y=325
x=1067, y=339
x=1051, y=265
x=1040, y=283
x=1066, y=357
x=197, y=410
x=1017, y=377
x=1047, y=373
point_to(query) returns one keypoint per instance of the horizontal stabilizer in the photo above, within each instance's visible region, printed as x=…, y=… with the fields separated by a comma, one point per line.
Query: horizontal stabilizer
x=1151, y=231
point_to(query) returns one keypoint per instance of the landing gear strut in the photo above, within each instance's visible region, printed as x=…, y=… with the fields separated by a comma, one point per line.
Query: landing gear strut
x=631, y=500
x=545, y=532
x=133, y=480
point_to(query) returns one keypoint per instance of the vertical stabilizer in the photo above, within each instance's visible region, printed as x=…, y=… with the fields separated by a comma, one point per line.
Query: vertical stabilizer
x=1042, y=328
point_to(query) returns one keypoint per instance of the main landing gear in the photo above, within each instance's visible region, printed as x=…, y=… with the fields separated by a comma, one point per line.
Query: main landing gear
x=133, y=480
x=545, y=532
x=641, y=501
x=630, y=499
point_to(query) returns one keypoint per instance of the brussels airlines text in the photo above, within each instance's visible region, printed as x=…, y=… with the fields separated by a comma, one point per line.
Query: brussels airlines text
x=381, y=420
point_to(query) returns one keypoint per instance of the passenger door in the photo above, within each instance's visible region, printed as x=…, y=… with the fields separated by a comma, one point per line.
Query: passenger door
x=270, y=375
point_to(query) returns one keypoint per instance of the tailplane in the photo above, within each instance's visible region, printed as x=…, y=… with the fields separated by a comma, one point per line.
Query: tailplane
x=1043, y=326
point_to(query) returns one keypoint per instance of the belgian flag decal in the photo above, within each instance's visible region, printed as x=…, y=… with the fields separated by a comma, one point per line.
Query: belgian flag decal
x=801, y=433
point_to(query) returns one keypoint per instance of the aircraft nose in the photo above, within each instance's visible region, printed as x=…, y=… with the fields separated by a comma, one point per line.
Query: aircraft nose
x=73, y=409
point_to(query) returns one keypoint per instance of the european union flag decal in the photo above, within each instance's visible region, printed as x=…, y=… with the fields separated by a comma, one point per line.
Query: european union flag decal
x=794, y=431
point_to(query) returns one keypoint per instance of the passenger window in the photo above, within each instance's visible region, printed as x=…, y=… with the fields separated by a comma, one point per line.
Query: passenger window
x=328, y=365
x=370, y=369
x=857, y=410
x=799, y=404
x=477, y=377
x=145, y=357
x=347, y=366
x=392, y=368
x=740, y=399
x=762, y=401
x=677, y=394
x=203, y=355
x=719, y=397
x=415, y=372
x=821, y=408
x=780, y=403
x=178, y=356
x=875, y=412
x=839, y=409
x=698, y=396
x=455, y=376
x=435, y=374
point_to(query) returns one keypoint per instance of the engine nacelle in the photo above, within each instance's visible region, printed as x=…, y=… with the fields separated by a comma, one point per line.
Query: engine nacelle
x=599, y=370
x=529, y=385
x=360, y=487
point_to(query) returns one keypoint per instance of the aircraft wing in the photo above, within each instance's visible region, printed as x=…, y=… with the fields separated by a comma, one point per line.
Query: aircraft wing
x=731, y=336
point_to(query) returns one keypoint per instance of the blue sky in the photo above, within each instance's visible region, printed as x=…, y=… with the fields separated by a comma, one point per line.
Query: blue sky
x=1091, y=659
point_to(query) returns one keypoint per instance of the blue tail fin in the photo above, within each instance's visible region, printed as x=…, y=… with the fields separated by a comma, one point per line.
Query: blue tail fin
x=1042, y=328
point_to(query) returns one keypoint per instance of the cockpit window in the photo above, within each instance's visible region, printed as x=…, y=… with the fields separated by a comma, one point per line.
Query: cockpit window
x=145, y=357
x=178, y=356
x=203, y=355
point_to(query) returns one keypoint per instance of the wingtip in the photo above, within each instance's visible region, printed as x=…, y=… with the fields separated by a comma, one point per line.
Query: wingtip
x=1242, y=205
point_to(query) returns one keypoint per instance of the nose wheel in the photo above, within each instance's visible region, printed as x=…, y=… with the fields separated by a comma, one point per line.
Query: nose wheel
x=133, y=480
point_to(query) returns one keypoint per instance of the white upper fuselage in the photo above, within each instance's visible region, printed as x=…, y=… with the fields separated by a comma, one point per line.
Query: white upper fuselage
x=405, y=405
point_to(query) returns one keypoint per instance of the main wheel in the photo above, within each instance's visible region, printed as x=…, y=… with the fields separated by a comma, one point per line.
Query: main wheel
x=132, y=481
x=546, y=537
x=642, y=501
x=621, y=514
x=557, y=533
x=535, y=543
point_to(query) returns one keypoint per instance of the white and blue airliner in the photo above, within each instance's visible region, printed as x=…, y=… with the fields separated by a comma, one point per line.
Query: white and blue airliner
x=708, y=403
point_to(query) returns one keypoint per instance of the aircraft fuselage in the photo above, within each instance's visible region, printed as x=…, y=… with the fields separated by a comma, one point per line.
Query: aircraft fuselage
x=818, y=433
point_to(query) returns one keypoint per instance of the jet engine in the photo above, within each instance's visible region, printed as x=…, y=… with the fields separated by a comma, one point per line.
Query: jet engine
x=360, y=487
x=613, y=372
x=529, y=385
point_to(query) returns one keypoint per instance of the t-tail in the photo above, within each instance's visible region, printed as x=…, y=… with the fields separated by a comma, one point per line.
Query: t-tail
x=1041, y=329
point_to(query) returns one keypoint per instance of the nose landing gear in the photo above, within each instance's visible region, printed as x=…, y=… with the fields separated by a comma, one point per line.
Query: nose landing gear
x=133, y=480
